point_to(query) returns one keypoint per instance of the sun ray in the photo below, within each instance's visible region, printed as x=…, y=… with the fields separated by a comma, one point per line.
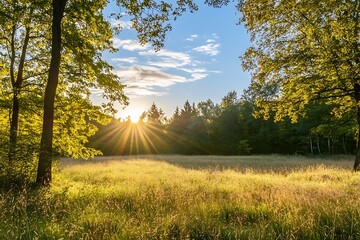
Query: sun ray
x=145, y=138
x=137, y=138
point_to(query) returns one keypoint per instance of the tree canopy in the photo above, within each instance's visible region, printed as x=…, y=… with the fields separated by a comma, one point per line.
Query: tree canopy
x=304, y=52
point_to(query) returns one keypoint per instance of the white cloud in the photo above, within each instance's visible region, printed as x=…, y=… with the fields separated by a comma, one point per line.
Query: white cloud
x=192, y=37
x=196, y=63
x=152, y=76
x=198, y=76
x=199, y=70
x=166, y=53
x=168, y=59
x=140, y=92
x=208, y=49
x=124, y=24
x=193, y=70
x=141, y=80
x=128, y=44
x=166, y=63
x=125, y=60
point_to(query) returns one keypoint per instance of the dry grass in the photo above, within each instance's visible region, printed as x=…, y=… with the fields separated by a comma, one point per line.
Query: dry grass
x=197, y=197
x=257, y=163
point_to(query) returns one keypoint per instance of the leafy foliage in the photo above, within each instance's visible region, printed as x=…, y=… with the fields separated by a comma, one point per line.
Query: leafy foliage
x=151, y=18
x=303, y=51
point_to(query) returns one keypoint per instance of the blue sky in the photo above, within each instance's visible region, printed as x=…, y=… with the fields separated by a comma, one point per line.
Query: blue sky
x=200, y=61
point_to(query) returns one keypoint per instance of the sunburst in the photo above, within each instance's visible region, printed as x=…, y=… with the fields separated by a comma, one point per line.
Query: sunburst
x=134, y=115
x=133, y=138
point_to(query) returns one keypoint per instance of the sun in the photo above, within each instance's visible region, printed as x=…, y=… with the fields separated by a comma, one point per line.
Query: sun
x=131, y=113
x=135, y=115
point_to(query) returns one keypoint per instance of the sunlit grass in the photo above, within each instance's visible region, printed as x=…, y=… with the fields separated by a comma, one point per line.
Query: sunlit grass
x=168, y=198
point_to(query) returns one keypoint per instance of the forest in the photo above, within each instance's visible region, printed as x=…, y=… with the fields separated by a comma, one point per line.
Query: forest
x=230, y=127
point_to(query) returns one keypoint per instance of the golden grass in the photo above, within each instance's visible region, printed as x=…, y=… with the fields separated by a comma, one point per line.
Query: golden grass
x=257, y=162
x=191, y=197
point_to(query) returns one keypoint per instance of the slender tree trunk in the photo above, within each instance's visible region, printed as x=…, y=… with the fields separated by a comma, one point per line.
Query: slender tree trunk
x=357, y=157
x=357, y=99
x=14, y=123
x=344, y=145
x=45, y=155
x=311, y=147
x=13, y=119
x=329, y=145
x=318, y=144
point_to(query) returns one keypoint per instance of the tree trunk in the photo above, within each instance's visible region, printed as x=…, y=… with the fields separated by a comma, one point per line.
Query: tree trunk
x=357, y=100
x=311, y=147
x=357, y=157
x=329, y=145
x=344, y=145
x=45, y=155
x=16, y=85
x=14, y=123
x=318, y=144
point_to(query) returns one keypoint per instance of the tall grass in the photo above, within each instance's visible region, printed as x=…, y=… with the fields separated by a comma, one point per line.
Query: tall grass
x=169, y=198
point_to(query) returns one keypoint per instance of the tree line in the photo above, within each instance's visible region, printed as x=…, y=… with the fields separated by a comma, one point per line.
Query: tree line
x=227, y=128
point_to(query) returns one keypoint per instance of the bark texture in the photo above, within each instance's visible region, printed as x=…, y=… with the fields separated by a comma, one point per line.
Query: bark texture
x=46, y=153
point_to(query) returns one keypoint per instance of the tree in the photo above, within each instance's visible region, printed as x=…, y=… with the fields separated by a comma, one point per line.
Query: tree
x=187, y=130
x=207, y=114
x=155, y=115
x=45, y=156
x=78, y=45
x=20, y=46
x=227, y=126
x=24, y=58
x=150, y=19
x=304, y=52
x=152, y=132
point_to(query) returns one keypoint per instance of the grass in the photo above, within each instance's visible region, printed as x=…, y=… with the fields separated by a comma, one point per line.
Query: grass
x=190, y=197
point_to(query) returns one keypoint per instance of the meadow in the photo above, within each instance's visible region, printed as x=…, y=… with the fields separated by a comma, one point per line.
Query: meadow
x=189, y=197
